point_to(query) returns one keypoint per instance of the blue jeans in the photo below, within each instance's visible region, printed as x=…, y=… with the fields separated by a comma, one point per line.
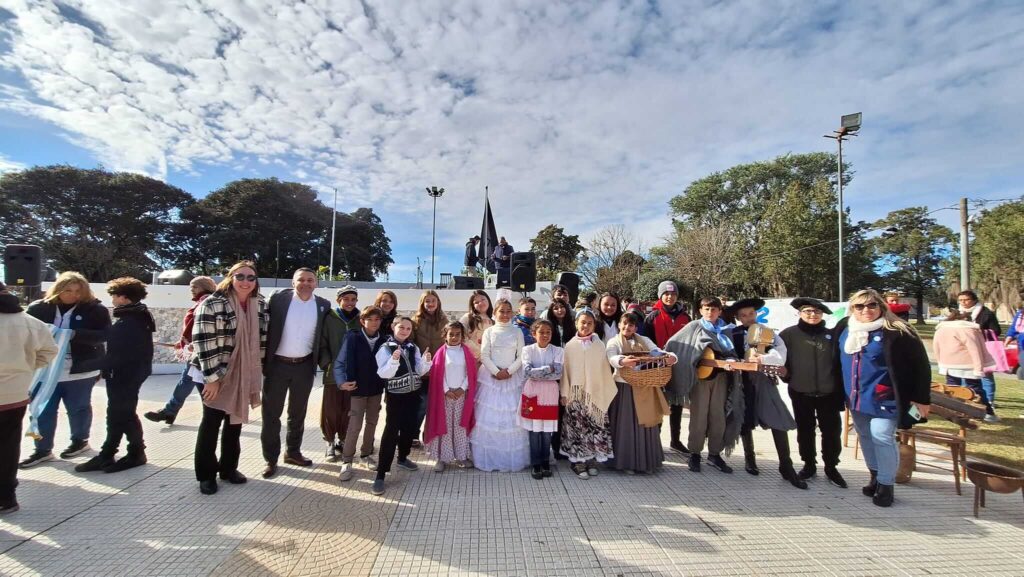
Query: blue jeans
x=181, y=392
x=77, y=396
x=540, y=448
x=985, y=387
x=878, y=441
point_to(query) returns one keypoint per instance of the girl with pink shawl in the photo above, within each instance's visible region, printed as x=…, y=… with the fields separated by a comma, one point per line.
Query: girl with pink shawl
x=450, y=400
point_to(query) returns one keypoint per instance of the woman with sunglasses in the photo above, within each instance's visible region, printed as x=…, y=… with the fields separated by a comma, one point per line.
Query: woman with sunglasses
x=884, y=370
x=229, y=337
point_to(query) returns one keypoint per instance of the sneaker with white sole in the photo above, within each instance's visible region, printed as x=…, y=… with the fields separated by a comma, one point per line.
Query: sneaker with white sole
x=346, y=472
x=368, y=463
x=992, y=418
x=36, y=458
x=75, y=449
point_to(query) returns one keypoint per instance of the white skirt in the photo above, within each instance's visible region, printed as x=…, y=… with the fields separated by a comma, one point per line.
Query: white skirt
x=498, y=441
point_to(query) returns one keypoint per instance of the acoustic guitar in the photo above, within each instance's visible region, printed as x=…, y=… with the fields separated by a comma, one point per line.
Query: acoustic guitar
x=708, y=363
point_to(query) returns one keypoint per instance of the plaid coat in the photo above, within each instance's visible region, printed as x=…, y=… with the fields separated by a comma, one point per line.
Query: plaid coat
x=213, y=334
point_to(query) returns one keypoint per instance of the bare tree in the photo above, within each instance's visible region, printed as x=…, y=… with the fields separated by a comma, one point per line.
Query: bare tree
x=603, y=252
x=701, y=258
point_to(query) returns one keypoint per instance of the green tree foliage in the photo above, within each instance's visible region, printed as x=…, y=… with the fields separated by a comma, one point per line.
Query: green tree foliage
x=99, y=223
x=281, y=226
x=773, y=230
x=997, y=253
x=913, y=247
x=555, y=250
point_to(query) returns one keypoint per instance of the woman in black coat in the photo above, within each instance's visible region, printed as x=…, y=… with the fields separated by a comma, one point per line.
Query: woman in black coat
x=70, y=304
x=127, y=364
x=884, y=370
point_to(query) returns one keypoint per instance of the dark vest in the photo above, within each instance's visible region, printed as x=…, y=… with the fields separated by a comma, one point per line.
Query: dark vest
x=362, y=364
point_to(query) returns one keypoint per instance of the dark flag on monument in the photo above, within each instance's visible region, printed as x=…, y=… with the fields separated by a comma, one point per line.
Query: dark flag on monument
x=488, y=236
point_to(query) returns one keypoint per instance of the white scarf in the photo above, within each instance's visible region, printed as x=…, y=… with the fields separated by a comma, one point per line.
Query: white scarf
x=857, y=334
x=973, y=310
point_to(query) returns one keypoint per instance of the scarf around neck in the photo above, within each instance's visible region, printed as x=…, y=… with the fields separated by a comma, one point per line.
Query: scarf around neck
x=240, y=387
x=716, y=329
x=857, y=334
x=812, y=329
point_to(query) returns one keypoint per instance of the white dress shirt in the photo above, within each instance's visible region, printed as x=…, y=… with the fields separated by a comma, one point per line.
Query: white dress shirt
x=299, y=328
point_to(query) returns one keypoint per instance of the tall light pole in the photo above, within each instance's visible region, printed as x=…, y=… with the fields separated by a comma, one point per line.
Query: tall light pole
x=434, y=193
x=334, y=222
x=849, y=125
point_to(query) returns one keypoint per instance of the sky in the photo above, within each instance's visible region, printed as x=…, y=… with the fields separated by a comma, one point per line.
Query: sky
x=581, y=114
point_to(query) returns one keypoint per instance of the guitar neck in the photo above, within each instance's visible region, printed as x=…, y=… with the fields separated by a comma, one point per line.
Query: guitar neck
x=736, y=365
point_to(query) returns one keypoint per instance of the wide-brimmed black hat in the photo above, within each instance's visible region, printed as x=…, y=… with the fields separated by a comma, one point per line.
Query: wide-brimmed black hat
x=753, y=302
x=801, y=302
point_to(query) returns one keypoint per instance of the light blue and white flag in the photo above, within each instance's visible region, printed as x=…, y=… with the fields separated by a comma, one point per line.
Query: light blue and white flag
x=45, y=380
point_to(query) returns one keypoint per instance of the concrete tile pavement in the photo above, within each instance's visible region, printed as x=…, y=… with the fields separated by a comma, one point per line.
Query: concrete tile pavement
x=153, y=520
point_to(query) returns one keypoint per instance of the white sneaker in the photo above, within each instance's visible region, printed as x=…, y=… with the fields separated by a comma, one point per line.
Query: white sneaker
x=992, y=419
x=368, y=462
x=346, y=472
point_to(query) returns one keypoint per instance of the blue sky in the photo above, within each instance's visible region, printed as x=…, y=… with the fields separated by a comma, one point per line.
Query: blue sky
x=583, y=114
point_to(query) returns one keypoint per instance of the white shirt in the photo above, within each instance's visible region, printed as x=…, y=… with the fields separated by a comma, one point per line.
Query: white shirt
x=501, y=349
x=299, y=328
x=455, y=376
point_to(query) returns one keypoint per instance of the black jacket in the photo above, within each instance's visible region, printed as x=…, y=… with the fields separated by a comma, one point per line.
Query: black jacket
x=129, y=357
x=471, y=257
x=278, y=312
x=988, y=322
x=907, y=362
x=809, y=361
x=90, y=321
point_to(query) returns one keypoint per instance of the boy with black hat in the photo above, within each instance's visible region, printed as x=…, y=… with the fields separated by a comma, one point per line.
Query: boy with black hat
x=812, y=388
x=336, y=403
x=762, y=403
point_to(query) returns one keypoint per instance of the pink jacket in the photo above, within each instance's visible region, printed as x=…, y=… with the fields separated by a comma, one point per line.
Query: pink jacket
x=436, y=425
x=960, y=345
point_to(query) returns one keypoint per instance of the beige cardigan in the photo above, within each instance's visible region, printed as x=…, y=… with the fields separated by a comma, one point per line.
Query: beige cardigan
x=25, y=345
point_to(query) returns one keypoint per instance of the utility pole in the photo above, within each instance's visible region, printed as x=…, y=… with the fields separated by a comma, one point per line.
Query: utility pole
x=850, y=124
x=334, y=223
x=434, y=193
x=965, y=253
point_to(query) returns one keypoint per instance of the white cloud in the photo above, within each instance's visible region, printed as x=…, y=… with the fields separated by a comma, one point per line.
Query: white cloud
x=8, y=165
x=576, y=114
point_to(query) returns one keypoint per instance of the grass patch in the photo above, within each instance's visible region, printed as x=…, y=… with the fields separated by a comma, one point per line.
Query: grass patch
x=1001, y=442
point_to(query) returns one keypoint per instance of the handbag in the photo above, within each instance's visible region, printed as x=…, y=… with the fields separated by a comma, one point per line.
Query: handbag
x=997, y=351
x=410, y=382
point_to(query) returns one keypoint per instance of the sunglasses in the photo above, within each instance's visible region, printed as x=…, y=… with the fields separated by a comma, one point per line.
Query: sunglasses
x=862, y=306
x=249, y=277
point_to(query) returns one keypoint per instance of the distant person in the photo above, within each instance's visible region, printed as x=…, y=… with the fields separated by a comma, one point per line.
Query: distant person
x=587, y=300
x=991, y=331
x=200, y=288
x=1016, y=331
x=502, y=257
x=472, y=259
x=899, y=309
x=70, y=304
x=960, y=352
x=558, y=292
x=293, y=343
x=229, y=338
x=26, y=345
x=127, y=364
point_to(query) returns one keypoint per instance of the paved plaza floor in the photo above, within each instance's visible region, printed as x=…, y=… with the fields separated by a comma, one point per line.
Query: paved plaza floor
x=153, y=521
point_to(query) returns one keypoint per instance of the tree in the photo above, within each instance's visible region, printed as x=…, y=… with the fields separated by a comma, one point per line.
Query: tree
x=96, y=222
x=362, y=248
x=555, y=250
x=620, y=276
x=700, y=258
x=780, y=219
x=602, y=251
x=913, y=247
x=997, y=261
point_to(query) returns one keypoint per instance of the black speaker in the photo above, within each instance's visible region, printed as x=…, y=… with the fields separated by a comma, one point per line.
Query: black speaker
x=178, y=277
x=524, y=272
x=23, y=265
x=570, y=281
x=468, y=282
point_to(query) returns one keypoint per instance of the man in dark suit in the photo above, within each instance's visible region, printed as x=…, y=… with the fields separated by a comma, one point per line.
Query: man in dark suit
x=296, y=318
x=502, y=257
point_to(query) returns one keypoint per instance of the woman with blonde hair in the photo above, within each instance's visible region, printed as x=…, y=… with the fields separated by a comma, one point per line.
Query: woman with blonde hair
x=70, y=304
x=884, y=370
x=229, y=338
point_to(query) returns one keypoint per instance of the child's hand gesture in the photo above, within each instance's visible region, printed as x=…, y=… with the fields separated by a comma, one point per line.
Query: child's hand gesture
x=396, y=355
x=426, y=356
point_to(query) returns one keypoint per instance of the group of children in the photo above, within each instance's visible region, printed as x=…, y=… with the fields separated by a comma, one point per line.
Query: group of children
x=499, y=393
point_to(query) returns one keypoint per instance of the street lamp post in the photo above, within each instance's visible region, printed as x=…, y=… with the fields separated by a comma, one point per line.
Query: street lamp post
x=850, y=124
x=434, y=193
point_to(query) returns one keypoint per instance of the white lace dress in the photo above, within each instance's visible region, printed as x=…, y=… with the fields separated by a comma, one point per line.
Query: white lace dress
x=498, y=441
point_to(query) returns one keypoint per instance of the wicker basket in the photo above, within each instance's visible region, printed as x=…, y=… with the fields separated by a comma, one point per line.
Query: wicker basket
x=652, y=372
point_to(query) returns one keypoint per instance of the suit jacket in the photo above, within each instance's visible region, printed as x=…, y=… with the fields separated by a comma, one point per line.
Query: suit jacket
x=278, y=309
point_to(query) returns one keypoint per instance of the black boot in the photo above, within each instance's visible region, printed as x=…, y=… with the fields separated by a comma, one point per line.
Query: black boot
x=883, y=496
x=161, y=415
x=836, y=479
x=538, y=473
x=750, y=461
x=97, y=463
x=872, y=486
x=809, y=470
x=134, y=458
x=789, y=473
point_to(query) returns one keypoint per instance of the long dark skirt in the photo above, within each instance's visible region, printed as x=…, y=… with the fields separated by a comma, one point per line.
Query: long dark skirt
x=636, y=448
